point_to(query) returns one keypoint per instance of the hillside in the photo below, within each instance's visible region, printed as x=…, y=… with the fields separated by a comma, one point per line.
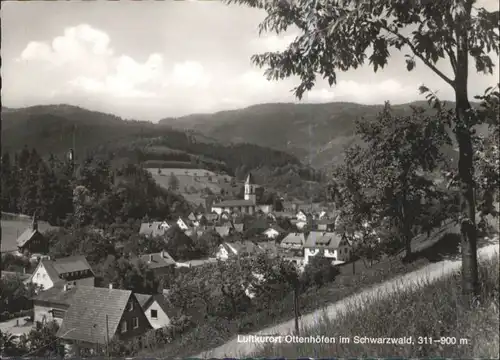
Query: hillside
x=54, y=129
x=315, y=133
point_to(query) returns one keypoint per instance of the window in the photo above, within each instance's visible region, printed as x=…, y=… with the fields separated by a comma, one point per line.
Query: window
x=130, y=306
x=154, y=314
x=58, y=314
x=135, y=322
x=124, y=326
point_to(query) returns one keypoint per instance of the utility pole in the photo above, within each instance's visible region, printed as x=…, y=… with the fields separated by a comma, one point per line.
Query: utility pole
x=296, y=306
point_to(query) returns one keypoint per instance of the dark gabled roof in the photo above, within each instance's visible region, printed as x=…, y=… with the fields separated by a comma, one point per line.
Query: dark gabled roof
x=294, y=238
x=56, y=295
x=157, y=260
x=237, y=202
x=55, y=268
x=223, y=230
x=85, y=320
x=239, y=227
x=326, y=240
x=146, y=300
x=245, y=246
x=142, y=299
x=69, y=264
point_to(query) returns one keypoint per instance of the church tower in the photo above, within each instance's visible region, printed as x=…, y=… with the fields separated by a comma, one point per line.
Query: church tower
x=250, y=189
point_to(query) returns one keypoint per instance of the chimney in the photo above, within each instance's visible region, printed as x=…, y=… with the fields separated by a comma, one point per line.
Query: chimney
x=111, y=286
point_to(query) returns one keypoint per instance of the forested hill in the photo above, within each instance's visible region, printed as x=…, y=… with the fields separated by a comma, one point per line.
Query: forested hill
x=56, y=128
x=315, y=133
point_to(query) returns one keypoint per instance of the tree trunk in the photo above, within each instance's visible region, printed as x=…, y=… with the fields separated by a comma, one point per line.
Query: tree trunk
x=463, y=128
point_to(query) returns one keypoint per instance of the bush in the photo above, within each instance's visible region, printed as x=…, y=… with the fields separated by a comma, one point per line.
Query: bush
x=5, y=316
x=318, y=272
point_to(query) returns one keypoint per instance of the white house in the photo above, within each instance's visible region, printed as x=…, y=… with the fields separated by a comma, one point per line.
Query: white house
x=273, y=232
x=155, y=228
x=294, y=241
x=74, y=270
x=237, y=248
x=157, y=309
x=185, y=224
x=327, y=244
x=302, y=216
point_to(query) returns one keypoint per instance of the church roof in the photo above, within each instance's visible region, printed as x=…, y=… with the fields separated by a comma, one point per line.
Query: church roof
x=250, y=179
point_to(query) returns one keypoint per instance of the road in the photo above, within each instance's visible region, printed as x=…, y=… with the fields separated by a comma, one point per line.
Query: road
x=431, y=272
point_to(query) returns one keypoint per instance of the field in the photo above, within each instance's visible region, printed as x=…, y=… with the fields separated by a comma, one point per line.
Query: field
x=12, y=228
x=192, y=182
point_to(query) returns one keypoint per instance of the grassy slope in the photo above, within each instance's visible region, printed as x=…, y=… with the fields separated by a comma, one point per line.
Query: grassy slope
x=12, y=228
x=432, y=310
x=442, y=243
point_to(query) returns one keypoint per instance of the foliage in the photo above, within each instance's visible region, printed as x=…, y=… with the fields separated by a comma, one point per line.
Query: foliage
x=340, y=36
x=173, y=182
x=486, y=156
x=449, y=316
x=388, y=183
x=319, y=272
x=14, y=295
x=125, y=274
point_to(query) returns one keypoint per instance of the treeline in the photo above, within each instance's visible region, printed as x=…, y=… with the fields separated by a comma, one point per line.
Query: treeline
x=93, y=192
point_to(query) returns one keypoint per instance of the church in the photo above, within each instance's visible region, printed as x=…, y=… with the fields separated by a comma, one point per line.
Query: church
x=248, y=205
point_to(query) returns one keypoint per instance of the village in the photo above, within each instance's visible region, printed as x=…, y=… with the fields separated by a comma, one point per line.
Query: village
x=66, y=286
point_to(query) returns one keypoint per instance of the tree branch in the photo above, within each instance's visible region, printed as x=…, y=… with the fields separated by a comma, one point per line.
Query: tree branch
x=419, y=55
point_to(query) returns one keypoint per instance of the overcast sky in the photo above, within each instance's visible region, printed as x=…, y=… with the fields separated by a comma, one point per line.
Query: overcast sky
x=148, y=60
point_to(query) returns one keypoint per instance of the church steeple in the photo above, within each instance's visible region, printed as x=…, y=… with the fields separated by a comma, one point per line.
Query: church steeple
x=250, y=189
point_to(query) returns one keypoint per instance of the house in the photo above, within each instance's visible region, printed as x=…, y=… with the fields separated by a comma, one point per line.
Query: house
x=160, y=263
x=274, y=232
x=32, y=241
x=247, y=205
x=282, y=214
x=211, y=218
x=97, y=316
x=74, y=270
x=185, y=223
x=270, y=248
x=293, y=241
x=327, y=244
x=52, y=304
x=153, y=229
x=157, y=309
x=239, y=228
x=192, y=217
x=303, y=216
x=325, y=224
x=224, y=231
x=239, y=248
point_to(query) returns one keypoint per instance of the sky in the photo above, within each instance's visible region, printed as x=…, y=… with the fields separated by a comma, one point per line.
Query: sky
x=150, y=60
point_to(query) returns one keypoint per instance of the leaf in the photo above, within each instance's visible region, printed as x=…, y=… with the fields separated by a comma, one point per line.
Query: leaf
x=423, y=89
x=410, y=64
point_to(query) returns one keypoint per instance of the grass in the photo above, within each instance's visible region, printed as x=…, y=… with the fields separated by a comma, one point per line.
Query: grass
x=431, y=309
x=197, y=179
x=215, y=332
x=12, y=228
